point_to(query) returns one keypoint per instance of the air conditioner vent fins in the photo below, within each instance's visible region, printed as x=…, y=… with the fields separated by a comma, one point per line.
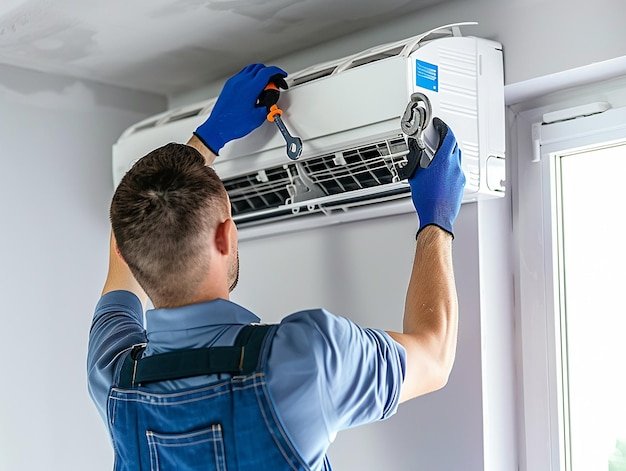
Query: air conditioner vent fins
x=148, y=125
x=376, y=57
x=184, y=115
x=341, y=176
x=318, y=74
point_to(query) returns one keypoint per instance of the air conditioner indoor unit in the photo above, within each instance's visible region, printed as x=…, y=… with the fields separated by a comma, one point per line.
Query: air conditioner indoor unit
x=347, y=113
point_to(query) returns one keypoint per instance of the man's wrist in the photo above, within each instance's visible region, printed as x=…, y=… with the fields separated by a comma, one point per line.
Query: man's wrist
x=433, y=227
x=208, y=154
x=433, y=233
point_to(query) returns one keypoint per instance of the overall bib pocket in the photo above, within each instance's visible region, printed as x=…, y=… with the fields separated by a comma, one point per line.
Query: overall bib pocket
x=202, y=449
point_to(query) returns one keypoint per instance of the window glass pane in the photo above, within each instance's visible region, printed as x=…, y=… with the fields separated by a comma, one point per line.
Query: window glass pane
x=593, y=305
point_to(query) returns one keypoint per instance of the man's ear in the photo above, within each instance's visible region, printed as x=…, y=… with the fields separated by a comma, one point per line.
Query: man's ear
x=223, y=236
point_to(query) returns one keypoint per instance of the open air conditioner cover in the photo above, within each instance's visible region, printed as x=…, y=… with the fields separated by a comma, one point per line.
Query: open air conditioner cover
x=347, y=113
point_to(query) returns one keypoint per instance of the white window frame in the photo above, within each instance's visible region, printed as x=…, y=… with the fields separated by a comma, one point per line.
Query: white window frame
x=540, y=410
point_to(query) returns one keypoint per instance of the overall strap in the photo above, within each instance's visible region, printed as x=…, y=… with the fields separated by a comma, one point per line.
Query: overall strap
x=239, y=359
x=250, y=340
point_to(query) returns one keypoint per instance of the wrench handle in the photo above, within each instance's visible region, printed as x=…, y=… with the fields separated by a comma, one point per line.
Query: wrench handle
x=269, y=96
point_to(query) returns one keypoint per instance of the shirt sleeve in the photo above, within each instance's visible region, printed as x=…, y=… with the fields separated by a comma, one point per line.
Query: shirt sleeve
x=352, y=374
x=117, y=325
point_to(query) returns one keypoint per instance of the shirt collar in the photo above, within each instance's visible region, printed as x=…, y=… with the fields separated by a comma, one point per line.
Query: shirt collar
x=218, y=311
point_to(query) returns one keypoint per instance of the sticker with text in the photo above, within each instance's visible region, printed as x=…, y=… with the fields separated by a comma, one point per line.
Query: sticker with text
x=427, y=75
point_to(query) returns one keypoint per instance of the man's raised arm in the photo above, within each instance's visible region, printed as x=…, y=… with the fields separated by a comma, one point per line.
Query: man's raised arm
x=234, y=115
x=431, y=309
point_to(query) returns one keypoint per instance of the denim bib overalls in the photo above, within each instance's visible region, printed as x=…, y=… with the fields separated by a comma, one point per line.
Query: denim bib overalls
x=227, y=425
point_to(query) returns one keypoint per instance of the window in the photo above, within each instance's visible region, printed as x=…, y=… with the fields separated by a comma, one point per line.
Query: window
x=571, y=280
x=592, y=257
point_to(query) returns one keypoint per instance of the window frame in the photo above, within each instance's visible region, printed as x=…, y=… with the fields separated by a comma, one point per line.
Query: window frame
x=541, y=406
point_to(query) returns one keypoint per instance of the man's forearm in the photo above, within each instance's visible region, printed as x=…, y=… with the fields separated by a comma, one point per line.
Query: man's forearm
x=431, y=308
x=430, y=315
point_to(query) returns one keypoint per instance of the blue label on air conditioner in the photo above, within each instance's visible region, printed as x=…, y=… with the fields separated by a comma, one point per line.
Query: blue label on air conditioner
x=427, y=75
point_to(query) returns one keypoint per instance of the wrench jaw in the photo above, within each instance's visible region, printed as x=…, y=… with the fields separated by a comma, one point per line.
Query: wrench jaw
x=416, y=118
x=294, y=144
x=294, y=149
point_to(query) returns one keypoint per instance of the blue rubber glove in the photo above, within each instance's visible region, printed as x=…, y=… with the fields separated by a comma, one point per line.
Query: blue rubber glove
x=437, y=190
x=235, y=113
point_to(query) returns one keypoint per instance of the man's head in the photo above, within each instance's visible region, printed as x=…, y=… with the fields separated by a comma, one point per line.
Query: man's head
x=171, y=220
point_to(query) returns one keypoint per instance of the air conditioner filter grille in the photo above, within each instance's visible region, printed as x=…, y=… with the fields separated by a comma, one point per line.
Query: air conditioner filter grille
x=340, y=173
x=257, y=191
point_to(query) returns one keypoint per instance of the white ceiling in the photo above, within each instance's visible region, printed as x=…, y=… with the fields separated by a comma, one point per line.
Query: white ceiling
x=169, y=46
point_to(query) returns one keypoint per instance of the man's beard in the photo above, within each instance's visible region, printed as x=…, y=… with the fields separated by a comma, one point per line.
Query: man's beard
x=233, y=273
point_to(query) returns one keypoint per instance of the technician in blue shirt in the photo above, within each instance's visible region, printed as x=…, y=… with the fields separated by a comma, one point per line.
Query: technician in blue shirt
x=174, y=241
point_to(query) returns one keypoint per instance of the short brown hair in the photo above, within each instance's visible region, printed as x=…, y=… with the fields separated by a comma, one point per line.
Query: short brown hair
x=163, y=212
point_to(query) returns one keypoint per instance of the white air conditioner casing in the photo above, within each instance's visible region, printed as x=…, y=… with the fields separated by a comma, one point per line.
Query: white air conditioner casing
x=347, y=113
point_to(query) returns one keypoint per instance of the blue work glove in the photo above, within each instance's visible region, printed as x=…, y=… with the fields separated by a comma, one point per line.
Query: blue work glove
x=236, y=113
x=437, y=190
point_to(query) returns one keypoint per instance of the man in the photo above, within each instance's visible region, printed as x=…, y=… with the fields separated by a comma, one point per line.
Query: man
x=207, y=393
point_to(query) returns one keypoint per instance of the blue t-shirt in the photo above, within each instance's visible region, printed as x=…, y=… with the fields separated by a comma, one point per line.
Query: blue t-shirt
x=324, y=374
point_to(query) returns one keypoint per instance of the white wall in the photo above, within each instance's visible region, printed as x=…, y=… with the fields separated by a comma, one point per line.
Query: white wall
x=55, y=137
